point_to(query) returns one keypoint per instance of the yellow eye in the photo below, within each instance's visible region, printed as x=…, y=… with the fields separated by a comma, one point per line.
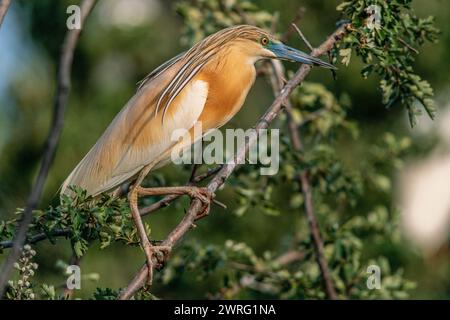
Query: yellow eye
x=264, y=41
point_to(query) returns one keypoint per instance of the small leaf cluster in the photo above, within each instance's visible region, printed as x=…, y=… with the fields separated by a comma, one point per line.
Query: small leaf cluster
x=105, y=294
x=82, y=219
x=105, y=219
x=388, y=47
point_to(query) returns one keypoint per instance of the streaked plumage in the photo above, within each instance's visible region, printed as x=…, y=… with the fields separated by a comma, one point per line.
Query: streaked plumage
x=218, y=69
x=207, y=83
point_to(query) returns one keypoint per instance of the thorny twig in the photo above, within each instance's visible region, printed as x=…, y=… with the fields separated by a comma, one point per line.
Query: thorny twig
x=61, y=97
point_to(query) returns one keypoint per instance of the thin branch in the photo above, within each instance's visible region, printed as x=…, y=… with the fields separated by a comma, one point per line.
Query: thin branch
x=310, y=47
x=407, y=45
x=61, y=97
x=219, y=179
x=4, y=5
x=66, y=232
x=38, y=237
x=298, y=16
x=309, y=210
x=195, y=168
x=316, y=237
x=297, y=144
x=282, y=261
x=274, y=22
x=74, y=260
x=290, y=257
x=312, y=116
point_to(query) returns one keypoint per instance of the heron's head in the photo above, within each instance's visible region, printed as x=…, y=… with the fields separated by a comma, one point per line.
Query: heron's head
x=259, y=44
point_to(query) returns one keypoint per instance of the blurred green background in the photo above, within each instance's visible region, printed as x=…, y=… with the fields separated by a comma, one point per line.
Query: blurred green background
x=121, y=43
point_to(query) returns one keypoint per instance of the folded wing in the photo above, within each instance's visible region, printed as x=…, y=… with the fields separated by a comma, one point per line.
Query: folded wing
x=137, y=137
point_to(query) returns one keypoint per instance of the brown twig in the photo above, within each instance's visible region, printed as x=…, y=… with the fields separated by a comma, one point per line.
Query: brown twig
x=195, y=168
x=309, y=210
x=4, y=5
x=74, y=260
x=282, y=261
x=290, y=257
x=38, y=237
x=61, y=97
x=313, y=116
x=306, y=187
x=316, y=237
x=66, y=232
x=407, y=45
x=310, y=47
x=219, y=179
x=298, y=16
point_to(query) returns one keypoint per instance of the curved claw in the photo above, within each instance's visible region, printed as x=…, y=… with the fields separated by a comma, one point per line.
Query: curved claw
x=155, y=251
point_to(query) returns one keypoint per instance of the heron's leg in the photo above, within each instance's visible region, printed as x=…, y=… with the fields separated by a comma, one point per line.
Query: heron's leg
x=150, y=250
x=203, y=194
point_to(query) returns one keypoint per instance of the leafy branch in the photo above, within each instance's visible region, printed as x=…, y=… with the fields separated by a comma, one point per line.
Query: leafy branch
x=388, y=48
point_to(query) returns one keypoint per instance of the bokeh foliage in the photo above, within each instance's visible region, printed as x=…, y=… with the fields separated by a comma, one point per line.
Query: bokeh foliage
x=241, y=254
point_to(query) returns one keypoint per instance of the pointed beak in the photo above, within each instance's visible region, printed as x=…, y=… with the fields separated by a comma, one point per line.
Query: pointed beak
x=284, y=52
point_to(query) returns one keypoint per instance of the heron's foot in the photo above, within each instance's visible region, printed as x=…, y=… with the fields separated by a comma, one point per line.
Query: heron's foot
x=160, y=253
x=206, y=197
x=202, y=194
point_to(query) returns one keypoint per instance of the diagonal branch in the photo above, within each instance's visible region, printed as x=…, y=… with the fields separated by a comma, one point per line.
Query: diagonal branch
x=219, y=179
x=61, y=98
x=276, y=75
x=4, y=5
x=309, y=209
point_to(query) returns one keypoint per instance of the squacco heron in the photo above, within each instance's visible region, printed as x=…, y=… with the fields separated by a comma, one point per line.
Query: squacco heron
x=207, y=84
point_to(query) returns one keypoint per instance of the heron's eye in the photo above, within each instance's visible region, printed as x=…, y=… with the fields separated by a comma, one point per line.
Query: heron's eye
x=264, y=41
